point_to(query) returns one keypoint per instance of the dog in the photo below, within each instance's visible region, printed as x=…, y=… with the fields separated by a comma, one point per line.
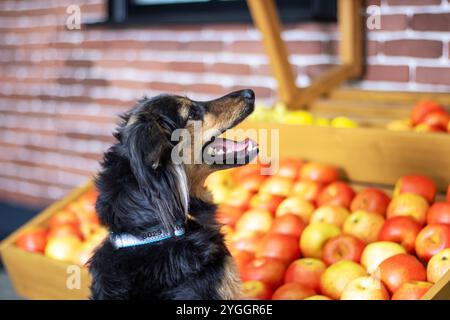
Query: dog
x=164, y=242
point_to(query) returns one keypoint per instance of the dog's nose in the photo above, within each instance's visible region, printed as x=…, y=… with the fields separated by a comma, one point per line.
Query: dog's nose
x=248, y=94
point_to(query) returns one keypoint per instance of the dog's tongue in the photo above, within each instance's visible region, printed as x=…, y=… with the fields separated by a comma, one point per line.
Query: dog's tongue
x=230, y=145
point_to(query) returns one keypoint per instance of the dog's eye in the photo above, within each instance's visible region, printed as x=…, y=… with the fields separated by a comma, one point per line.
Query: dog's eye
x=195, y=113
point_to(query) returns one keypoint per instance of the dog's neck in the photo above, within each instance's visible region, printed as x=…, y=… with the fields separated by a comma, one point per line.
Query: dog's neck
x=196, y=176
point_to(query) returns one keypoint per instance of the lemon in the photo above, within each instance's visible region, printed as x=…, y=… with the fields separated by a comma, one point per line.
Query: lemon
x=343, y=122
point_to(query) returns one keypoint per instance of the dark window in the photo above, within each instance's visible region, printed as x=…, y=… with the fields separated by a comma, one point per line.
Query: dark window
x=213, y=11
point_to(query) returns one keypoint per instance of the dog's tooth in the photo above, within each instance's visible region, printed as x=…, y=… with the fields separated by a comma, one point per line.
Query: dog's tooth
x=220, y=152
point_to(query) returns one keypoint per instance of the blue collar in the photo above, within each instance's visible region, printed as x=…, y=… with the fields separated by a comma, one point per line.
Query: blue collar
x=126, y=240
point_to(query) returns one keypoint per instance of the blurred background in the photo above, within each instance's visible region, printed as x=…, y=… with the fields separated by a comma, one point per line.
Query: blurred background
x=61, y=88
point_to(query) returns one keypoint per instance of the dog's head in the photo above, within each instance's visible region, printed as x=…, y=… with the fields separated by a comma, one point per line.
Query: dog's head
x=175, y=136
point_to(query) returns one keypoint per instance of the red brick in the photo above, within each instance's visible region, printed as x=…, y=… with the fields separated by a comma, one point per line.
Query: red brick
x=413, y=48
x=247, y=47
x=304, y=47
x=387, y=73
x=372, y=48
x=413, y=2
x=431, y=22
x=202, y=46
x=262, y=70
x=186, y=66
x=165, y=87
x=229, y=68
x=393, y=22
x=430, y=75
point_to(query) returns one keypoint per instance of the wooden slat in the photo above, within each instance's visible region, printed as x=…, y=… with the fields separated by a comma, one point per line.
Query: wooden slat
x=266, y=19
x=321, y=85
x=35, y=276
x=368, y=155
x=366, y=109
x=388, y=96
x=440, y=290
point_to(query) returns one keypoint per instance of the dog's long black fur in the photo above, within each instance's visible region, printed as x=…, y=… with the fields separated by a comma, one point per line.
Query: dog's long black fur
x=138, y=191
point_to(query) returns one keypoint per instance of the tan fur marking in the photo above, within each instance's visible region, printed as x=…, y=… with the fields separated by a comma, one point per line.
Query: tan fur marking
x=230, y=287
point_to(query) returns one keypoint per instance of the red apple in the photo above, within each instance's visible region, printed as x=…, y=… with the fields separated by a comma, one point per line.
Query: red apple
x=432, y=239
x=409, y=204
x=337, y=276
x=239, y=174
x=245, y=240
x=438, y=119
x=365, y=288
x=426, y=128
x=330, y=214
x=319, y=172
x=439, y=212
x=266, y=201
x=371, y=200
x=258, y=220
x=306, y=271
x=33, y=240
x=438, y=265
x=63, y=217
x=256, y=290
x=289, y=168
x=417, y=184
x=364, y=225
x=228, y=215
x=241, y=259
x=279, y=246
x=307, y=189
x=422, y=108
x=296, y=205
x=317, y=297
x=412, y=290
x=270, y=271
x=293, y=291
x=239, y=198
x=278, y=186
x=342, y=247
x=402, y=230
x=289, y=224
x=399, y=269
x=64, y=231
x=448, y=188
x=337, y=193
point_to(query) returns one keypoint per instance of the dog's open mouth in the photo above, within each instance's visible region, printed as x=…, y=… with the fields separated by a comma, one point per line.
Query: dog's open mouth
x=229, y=153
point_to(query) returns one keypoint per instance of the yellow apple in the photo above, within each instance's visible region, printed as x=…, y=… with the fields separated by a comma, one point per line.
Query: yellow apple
x=365, y=288
x=296, y=205
x=62, y=248
x=364, y=225
x=438, y=265
x=330, y=214
x=343, y=122
x=337, y=276
x=410, y=205
x=314, y=238
x=376, y=252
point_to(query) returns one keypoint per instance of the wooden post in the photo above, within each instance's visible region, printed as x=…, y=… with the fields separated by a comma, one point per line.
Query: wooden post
x=351, y=30
x=265, y=17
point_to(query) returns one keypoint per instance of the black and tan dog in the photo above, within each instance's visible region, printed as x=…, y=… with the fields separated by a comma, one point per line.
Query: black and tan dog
x=164, y=242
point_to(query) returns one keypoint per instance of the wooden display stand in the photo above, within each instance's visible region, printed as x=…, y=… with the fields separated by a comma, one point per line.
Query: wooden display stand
x=367, y=155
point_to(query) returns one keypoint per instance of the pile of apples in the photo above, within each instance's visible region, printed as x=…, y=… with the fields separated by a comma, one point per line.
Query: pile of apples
x=426, y=116
x=71, y=234
x=280, y=113
x=304, y=234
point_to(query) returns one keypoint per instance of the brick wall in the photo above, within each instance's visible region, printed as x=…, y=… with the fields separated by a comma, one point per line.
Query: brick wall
x=61, y=90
